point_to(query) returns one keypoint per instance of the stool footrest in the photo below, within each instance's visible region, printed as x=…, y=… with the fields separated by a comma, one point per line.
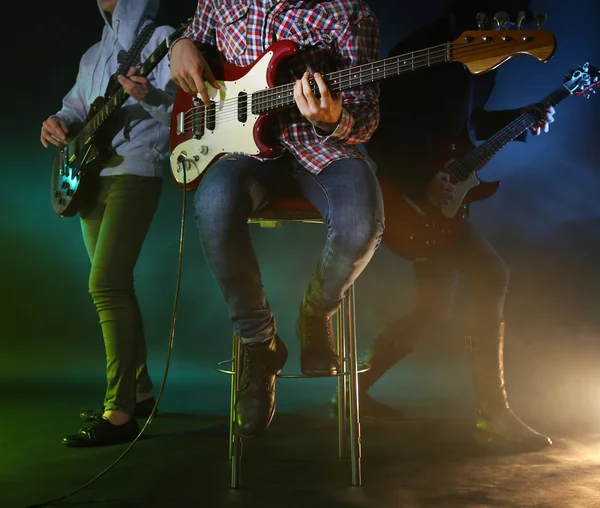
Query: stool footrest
x=363, y=367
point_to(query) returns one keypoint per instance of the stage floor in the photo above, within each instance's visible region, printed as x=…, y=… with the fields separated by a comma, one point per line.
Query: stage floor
x=424, y=462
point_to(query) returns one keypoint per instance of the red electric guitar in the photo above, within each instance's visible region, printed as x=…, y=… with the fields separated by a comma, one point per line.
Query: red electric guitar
x=237, y=118
x=419, y=230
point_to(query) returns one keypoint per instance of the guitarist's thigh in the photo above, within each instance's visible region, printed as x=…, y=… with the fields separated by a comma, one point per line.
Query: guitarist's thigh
x=128, y=204
x=478, y=261
x=435, y=282
x=238, y=184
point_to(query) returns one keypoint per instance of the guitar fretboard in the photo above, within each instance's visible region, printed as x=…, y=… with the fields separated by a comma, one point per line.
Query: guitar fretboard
x=338, y=81
x=120, y=96
x=477, y=158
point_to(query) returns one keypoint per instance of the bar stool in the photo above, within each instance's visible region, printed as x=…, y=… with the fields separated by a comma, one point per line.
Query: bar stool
x=349, y=437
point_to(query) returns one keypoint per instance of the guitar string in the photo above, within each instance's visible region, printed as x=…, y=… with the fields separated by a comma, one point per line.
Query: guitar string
x=432, y=55
x=153, y=58
x=460, y=170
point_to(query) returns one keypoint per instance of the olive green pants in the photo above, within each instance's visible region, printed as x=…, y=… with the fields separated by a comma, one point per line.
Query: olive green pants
x=114, y=227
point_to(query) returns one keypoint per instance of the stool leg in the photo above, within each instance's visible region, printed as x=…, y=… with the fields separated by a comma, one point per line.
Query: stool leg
x=235, y=442
x=342, y=392
x=355, y=437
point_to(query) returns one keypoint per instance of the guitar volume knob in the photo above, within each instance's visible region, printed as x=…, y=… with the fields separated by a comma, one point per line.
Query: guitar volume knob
x=203, y=149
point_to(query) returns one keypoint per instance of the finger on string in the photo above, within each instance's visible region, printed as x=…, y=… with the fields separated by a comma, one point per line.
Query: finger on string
x=308, y=93
x=299, y=97
x=323, y=88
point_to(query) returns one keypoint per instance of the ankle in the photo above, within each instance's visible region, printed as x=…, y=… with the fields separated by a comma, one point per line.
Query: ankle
x=116, y=417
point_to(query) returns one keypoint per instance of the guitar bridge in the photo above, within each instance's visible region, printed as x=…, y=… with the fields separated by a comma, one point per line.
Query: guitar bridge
x=180, y=123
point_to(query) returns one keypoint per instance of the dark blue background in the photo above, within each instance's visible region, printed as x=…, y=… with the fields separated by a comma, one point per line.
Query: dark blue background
x=545, y=220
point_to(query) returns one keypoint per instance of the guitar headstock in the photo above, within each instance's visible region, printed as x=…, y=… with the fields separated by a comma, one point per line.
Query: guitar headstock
x=583, y=80
x=483, y=50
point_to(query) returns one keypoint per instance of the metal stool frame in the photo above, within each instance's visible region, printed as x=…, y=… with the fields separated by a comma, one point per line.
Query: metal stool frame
x=349, y=435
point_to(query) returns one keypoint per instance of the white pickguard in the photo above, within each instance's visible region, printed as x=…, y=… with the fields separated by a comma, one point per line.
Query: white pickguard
x=461, y=191
x=229, y=135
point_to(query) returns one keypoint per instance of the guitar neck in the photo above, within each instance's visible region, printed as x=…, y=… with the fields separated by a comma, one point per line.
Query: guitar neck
x=477, y=158
x=339, y=81
x=120, y=96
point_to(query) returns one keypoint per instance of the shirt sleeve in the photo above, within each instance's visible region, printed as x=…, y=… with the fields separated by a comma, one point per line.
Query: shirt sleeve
x=359, y=45
x=202, y=28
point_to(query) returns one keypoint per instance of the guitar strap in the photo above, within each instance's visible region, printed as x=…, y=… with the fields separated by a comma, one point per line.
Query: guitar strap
x=131, y=59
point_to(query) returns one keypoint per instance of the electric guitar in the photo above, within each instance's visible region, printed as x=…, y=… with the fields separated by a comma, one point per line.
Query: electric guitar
x=236, y=120
x=420, y=230
x=77, y=165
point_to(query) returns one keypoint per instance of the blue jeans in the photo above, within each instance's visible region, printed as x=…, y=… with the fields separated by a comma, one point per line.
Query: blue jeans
x=346, y=194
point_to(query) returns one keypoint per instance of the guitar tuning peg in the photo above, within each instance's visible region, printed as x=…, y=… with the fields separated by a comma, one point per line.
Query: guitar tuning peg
x=521, y=18
x=481, y=20
x=540, y=18
x=502, y=18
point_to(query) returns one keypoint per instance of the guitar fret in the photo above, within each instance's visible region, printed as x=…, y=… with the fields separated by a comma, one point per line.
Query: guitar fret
x=478, y=157
x=266, y=100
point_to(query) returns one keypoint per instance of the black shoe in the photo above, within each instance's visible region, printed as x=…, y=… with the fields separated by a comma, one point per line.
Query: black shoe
x=255, y=406
x=143, y=410
x=506, y=428
x=318, y=356
x=101, y=432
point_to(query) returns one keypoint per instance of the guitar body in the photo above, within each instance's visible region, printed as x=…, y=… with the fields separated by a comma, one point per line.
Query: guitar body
x=237, y=119
x=417, y=230
x=199, y=144
x=77, y=165
x=75, y=171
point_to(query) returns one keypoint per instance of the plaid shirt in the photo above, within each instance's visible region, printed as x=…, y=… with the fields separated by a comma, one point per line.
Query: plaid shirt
x=346, y=30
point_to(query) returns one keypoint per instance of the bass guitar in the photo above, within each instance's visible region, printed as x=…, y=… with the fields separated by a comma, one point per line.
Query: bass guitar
x=237, y=117
x=417, y=230
x=77, y=165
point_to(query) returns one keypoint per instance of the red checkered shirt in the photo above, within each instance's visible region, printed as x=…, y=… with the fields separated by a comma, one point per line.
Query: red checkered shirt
x=346, y=29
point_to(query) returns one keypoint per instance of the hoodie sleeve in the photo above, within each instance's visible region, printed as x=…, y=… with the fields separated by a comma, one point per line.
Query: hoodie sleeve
x=74, y=106
x=161, y=94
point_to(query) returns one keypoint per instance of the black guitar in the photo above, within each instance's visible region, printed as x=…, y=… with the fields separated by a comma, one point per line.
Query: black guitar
x=77, y=165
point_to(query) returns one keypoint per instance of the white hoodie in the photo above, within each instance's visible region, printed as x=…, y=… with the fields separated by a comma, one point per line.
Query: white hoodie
x=141, y=143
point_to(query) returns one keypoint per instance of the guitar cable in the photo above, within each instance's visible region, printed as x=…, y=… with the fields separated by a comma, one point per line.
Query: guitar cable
x=182, y=162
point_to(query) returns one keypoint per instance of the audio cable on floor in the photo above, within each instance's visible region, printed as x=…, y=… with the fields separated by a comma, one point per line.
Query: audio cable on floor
x=167, y=365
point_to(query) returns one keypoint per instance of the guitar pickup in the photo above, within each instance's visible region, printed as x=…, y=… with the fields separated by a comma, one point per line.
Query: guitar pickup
x=211, y=116
x=242, y=107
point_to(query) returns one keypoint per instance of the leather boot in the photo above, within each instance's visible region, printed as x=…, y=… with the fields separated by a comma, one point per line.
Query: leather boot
x=388, y=349
x=255, y=405
x=495, y=419
x=318, y=354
